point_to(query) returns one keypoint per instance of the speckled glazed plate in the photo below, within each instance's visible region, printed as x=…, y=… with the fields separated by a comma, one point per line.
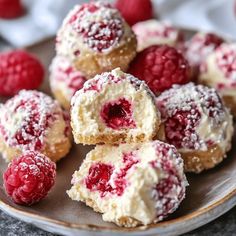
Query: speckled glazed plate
x=209, y=195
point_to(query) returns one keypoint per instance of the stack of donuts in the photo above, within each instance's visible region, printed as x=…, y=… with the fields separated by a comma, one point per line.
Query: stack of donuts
x=155, y=105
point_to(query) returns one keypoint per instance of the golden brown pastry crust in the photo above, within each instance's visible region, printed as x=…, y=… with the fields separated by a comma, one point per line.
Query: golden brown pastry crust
x=92, y=63
x=231, y=104
x=59, y=96
x=113, y=139
x=198, y=161
x=58, y=152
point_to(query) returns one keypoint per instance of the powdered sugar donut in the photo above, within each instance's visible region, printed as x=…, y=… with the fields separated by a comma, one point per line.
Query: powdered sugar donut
x=154, y=32
x=196, y=121
x=65, y=80
x=199, y=47
x=131, y=184
x=33, y=121
x=219, y=71
x=114, y=107
x=96, y=38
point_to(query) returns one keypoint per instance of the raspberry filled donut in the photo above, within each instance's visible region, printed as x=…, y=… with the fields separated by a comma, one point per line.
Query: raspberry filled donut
x=32, y=121
x=153, y=32
x=96, y=38
x=197, y=123
x=219, y=71
x=114, y=107
x=131, y=184
x=199, y=47
x=65, y=80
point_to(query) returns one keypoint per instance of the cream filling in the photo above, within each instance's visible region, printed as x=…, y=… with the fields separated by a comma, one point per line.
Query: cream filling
x=219, y=134
x=85, y=113
x=137, y=200
x=151, y=26
x=55, y=134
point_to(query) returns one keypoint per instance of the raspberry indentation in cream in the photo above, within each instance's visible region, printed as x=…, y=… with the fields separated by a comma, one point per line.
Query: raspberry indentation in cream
x=99, y=24
x=226, y=61
x=118, y=114
x=98, y=178
x=100, y=174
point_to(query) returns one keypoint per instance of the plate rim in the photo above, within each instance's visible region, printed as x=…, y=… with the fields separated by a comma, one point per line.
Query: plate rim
x=5, y=207
x=90, y=227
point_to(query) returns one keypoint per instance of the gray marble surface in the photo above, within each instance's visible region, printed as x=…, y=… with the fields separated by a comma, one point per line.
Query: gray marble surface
x=223, y=226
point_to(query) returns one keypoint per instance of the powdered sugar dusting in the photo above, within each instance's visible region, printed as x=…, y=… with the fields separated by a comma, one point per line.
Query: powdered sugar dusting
x=226, y=61
x=63, y=72
x=170, y=190
x=100, y=25
x=155, y=32
x=26, y=118
x=200, y=46
x=29, y=178
x=115, y=76
x=182, y=109
x=106, y=179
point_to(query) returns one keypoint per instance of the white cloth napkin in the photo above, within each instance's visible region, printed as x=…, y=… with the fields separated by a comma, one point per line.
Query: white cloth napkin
x=45, y=16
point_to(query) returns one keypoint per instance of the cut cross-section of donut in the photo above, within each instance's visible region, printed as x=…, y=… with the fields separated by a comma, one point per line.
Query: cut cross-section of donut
x=114, y=107
x=131, y=184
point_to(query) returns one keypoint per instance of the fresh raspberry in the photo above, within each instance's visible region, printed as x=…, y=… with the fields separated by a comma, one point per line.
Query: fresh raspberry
x=19, y=70
x=118, y=114
x=135, y=10
x=29, y=178
x=160, y=66
x=10, y=9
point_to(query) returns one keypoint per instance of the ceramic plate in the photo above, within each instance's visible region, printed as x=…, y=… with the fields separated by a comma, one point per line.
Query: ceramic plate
x=209, y=195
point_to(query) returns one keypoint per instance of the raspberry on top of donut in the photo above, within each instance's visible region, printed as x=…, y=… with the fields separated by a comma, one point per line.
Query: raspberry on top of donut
x=99, y=24
x=194, y=117
x=127, y=175
x=26, y=119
